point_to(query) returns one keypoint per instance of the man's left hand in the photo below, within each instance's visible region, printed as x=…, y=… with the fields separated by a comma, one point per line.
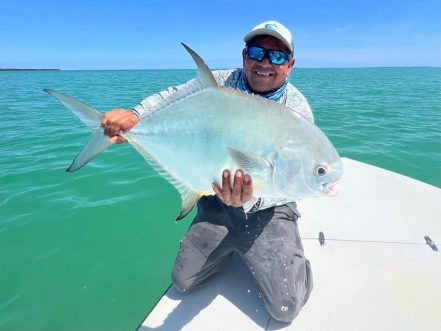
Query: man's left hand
x=239, y=193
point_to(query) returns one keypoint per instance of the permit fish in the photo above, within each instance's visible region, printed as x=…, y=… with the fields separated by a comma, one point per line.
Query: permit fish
x=191, y=136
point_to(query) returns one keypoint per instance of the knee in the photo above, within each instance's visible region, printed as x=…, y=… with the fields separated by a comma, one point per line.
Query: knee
x=286, y=310
x=179, y=287
x=179, y=282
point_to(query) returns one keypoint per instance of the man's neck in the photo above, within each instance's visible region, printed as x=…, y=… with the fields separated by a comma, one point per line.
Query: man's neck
x=272, y=94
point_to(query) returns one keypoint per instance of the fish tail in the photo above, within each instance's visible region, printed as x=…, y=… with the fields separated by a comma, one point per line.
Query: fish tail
x=92, y=118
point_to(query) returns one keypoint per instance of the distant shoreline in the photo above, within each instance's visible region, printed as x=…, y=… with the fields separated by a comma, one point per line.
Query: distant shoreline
x=152, y=69
x=1, y=69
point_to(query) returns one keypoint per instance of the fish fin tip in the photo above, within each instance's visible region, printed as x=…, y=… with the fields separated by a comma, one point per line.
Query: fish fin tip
x=97, y=144
x=205, y=74
x=50, y=91
x=87, y=114
x=189, y=200
x=186, y=47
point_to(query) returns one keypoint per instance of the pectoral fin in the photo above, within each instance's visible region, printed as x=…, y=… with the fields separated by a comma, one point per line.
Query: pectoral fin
x=250, y=162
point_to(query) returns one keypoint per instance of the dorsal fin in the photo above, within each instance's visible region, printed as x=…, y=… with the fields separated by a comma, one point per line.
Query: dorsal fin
x=205, y=79
x=204, y=72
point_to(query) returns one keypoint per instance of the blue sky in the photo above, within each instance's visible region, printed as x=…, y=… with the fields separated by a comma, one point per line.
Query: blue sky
x=142, y=34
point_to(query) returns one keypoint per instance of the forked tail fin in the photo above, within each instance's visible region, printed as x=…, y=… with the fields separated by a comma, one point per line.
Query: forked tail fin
x=92, y=118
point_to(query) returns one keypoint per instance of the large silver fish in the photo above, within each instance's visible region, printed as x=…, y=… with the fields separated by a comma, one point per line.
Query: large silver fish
x=197, y=132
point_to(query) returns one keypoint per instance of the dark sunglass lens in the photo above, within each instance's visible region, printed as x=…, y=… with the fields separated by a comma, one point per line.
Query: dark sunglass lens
x=277, y=57
x=256, y=53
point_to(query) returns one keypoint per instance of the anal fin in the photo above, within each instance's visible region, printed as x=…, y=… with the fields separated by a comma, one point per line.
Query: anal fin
x=189, y=197
x=189, y=200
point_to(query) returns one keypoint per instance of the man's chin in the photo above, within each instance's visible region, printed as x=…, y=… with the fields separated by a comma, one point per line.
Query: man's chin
x=262, y=84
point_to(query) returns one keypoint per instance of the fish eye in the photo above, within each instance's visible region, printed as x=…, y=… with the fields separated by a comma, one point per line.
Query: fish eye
x=320, y=170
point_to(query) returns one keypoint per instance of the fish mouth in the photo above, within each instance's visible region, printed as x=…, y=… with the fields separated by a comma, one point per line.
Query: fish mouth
x=331, y=189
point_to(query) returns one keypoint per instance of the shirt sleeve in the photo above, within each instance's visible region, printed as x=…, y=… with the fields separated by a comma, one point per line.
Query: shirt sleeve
x=297, y=102
x=145, y=106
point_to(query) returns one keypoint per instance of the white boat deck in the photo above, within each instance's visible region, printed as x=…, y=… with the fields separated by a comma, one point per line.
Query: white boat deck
x=374, y=271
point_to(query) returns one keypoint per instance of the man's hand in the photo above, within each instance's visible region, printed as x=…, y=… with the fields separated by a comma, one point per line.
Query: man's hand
x=235, y=196
x=118, y=121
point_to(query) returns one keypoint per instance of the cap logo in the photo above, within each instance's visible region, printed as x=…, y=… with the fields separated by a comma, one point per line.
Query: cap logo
x=271, y=26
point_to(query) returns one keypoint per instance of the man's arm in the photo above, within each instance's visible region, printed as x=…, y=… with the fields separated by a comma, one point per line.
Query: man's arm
x=296, y=101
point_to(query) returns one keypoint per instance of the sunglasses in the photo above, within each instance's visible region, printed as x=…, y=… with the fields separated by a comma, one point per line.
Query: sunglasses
x=257, y=53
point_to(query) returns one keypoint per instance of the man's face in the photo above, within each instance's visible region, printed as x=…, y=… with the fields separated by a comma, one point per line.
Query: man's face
x=264, y=76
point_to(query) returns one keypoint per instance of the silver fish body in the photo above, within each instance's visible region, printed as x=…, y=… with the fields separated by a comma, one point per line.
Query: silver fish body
x=217, y=128
x=205, y=128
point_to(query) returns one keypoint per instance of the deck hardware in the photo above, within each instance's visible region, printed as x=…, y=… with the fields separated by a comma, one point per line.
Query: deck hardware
x=431, y=243
x=321, y=238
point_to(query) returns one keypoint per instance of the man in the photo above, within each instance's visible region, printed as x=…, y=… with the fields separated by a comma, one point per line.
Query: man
x=262, y=231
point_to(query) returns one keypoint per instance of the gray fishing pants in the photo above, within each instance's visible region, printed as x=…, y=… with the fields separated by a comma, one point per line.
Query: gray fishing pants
x=267, y=240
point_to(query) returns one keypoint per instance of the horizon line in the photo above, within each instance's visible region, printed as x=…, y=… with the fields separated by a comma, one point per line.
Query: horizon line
x=140, y=69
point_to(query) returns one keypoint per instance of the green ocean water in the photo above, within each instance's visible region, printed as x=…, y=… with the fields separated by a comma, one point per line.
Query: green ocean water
x=93, y=250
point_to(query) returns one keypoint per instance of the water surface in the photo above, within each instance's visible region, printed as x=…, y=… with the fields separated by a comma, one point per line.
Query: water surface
x=93, y=250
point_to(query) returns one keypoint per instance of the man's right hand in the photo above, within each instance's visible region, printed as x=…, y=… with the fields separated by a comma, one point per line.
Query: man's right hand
x=116, y=122
x=237, y=194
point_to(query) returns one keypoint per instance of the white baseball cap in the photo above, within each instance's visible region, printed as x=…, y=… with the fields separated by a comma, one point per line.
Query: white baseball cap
x=273, y=29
